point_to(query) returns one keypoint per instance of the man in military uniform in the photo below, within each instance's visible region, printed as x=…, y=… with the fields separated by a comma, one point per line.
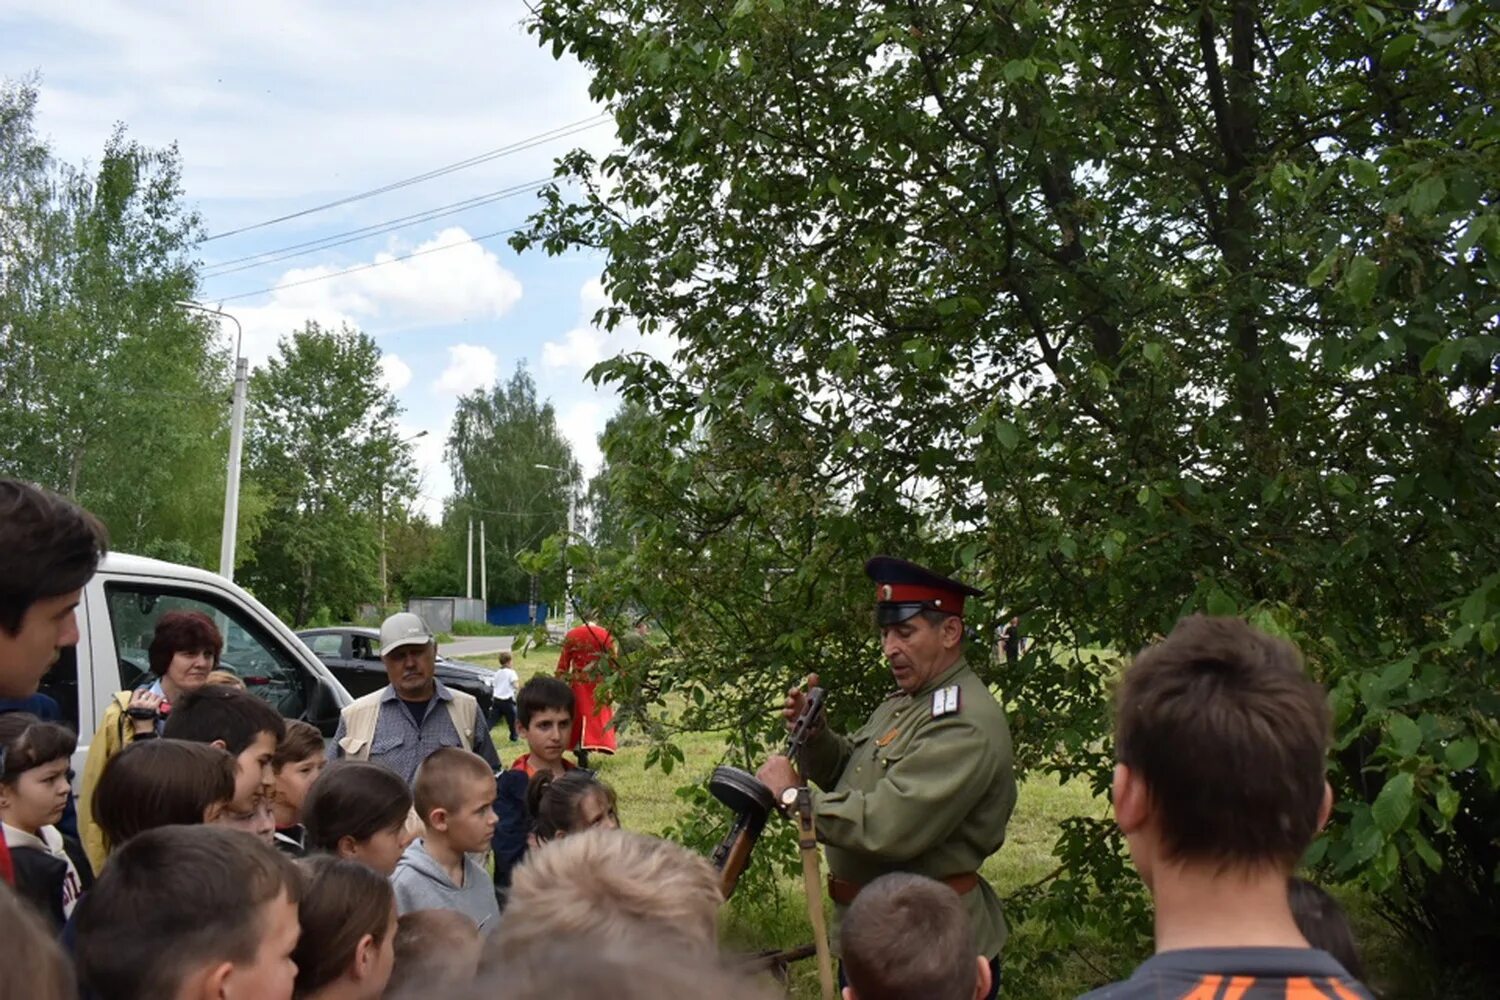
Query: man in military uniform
x=926, y=785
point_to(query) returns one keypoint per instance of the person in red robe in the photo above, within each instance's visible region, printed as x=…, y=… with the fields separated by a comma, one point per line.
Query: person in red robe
x=588, y=651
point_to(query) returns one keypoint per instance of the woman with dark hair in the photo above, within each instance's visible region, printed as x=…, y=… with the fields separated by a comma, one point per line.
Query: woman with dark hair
x=358, y=810
x=161, y=783
x=184, y=650
x=348, y=917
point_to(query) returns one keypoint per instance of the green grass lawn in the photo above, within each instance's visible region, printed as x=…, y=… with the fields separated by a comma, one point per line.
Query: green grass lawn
x=648, y=803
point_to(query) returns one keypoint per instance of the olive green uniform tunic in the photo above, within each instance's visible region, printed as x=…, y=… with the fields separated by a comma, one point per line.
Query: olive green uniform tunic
x=926, y=786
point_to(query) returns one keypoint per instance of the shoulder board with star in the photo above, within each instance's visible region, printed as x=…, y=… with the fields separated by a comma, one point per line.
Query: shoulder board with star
x=945, y=701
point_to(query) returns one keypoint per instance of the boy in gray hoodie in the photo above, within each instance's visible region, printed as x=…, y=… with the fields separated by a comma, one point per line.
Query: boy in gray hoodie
x=455, y=797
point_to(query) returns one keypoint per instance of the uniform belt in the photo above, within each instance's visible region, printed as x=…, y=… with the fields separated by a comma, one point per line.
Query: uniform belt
x=842, y=891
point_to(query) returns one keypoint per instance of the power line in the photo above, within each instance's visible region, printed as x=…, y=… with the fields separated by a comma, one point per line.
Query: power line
x=561, y=132
x=374, y=229
x=378, y=263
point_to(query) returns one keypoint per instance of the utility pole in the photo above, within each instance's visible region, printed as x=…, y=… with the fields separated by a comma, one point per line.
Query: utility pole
x=568, y=563
x=232, y=484
x=469, y=563
x=484, y=586
x=568, y=571
x=236, y=443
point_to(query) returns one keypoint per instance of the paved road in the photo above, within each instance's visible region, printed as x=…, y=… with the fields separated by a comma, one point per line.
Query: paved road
x=485, y=645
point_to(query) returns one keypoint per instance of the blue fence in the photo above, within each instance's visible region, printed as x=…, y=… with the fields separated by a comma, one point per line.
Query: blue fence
x=516, y=614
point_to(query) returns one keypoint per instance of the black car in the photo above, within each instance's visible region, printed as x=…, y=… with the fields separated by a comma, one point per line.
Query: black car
x=352, y=653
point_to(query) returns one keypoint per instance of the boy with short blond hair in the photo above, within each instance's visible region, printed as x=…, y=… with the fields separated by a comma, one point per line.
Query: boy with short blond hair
x=615, y=885
x=454, y=791
x=884, y=959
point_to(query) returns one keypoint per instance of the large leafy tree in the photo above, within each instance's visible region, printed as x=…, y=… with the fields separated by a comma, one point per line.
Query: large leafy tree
x=109, y=390
x=499, y=435
x=324, y=447
x=1129, y=310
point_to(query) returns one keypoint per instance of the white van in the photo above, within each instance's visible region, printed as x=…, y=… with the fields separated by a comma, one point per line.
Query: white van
x=117, y=618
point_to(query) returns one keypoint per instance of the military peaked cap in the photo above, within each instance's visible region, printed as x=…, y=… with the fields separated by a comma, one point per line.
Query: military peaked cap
x=902, y=589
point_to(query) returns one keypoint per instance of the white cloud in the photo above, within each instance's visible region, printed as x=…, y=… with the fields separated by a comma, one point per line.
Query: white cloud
x=451, y=286
x=458, y=281
x=585, y=345
x=582, y=347
x=581, y=423
x=470, y=367
x=578, y=350
x=395, y=374
x=434, y=480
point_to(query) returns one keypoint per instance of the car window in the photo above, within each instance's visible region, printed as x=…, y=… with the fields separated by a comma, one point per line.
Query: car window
x=249, y=652
x=362, y=647
x=57, y=696
x=326, y=644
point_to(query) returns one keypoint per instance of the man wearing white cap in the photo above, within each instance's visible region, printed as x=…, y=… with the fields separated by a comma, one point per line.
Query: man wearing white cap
x=403, y=722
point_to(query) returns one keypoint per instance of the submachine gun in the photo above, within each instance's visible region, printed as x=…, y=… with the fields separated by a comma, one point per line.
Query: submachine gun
x=751, y=801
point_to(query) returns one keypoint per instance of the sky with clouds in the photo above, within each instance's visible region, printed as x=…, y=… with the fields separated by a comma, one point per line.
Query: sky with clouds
x=279, y=106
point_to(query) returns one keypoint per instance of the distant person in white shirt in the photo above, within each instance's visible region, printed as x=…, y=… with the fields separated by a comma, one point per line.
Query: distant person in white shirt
x=504, y=685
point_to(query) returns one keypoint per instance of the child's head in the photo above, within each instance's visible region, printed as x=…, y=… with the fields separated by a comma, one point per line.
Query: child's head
x=505, y=657
x=191, y=912
x=544, y=716
x=1321, y=920
x=298, y=761
x=240, y=723
x=1220, y=738
x=185, y=649
x=455, y=798
x=570, y=803
x=34, y=779
x=155, y=783
x=437, y=951
x=884, y=960
x=227, y=679
x=45, y=973
x=358, y=810
x=613, y=883
x=259, y=820
x=348, y=917
x=593, y=966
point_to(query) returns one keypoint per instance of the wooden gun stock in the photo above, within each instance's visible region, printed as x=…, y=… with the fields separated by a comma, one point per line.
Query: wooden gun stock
x=751, y=800
x=736, y=848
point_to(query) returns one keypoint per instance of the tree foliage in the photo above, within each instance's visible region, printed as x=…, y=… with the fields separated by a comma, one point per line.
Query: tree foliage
x=499, y=436
x=1128, y=310
x=109, y=391
x=323, y=445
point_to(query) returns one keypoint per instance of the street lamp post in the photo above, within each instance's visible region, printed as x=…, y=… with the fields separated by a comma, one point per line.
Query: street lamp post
x=567, y=564
x=236, y=442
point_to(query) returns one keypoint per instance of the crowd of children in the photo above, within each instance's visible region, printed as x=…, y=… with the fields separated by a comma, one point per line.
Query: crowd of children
x=225, y=860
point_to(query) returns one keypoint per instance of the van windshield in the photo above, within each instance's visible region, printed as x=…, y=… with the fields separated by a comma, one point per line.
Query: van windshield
x=249, y=652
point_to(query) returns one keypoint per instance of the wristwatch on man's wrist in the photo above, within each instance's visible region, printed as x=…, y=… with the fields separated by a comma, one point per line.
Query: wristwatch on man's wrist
x=789, y=799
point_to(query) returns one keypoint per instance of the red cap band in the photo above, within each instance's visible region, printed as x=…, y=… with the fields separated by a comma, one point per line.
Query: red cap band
x=915, y=593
